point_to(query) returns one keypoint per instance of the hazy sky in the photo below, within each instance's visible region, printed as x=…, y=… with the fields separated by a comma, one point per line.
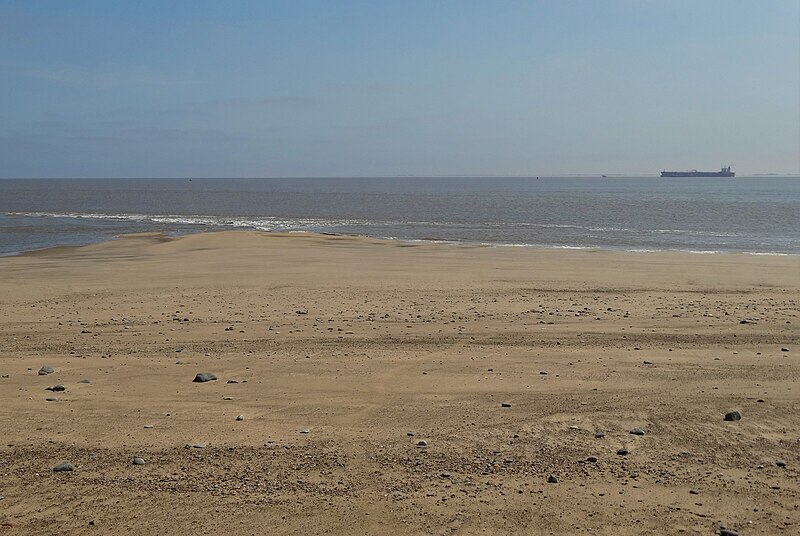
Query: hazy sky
x=318, y=88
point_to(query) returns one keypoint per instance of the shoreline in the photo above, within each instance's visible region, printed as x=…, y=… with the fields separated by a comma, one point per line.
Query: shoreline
x=177, y=234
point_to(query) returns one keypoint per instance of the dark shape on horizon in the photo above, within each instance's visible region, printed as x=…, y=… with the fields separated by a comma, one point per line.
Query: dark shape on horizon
x=723, y=172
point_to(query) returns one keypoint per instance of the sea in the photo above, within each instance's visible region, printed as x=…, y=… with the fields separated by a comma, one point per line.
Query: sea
x=755, y=215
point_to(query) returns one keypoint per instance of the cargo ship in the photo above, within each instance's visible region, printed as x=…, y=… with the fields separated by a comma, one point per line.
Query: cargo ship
x=723, y=172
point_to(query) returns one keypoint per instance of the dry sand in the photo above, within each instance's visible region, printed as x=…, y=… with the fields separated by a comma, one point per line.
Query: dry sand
x=344, y=347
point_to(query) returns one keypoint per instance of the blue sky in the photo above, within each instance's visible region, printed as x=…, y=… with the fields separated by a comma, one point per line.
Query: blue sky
x=323, y=88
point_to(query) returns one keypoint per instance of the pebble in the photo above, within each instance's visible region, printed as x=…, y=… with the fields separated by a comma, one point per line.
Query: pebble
x=138, y=461
x=84, y=381
x=422, y=443
x=227, y=398
x=63, y=467
x=637, y=431
x=784, y=349
x=599, y=435
x=647, y=362
x=46, y=370
x=552, y=479
x=623, y=451
x=148, y=426
x=56, y=388
x=199, y=446
x=780, y=463
x=591, y=459
x=505, y=405
x=51, y=399
x=240, y=417
x=727, y=532
x=204, y=377
x=694, y=492
x=733, y=416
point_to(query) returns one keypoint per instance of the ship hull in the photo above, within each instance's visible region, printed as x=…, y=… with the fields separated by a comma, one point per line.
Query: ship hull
x=698, y=174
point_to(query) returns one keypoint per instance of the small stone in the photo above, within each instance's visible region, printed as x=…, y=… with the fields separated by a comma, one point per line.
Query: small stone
x=780, y=463
x=727, y=532
x=505, y=405
x=591, y=459
x=637, y=431
x=204, y=377
x=410, y=434
x=599, y=435
x=694, y=492
x=199, y=446
x=138, y=461
x=148, y=426
x=445, y=475
x=45, y=370
x=240, y=417
x=552, y=479
x=63, y=467
x=422, y=443
x=543, y=372
x=56, y=388
x=647, y=362
x=233, y=381
x=623, y=451
x=84, y=381
x=51, y=399
x=784, y=349
x=733, y=416
x=227, y=398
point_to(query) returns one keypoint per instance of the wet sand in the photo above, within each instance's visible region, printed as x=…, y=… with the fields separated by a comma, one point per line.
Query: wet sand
x=341, y=354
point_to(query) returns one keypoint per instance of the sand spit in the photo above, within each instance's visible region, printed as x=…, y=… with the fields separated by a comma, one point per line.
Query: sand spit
x=378, y=387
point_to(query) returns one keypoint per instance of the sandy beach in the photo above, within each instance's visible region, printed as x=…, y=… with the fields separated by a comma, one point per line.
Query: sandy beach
x=381, y=387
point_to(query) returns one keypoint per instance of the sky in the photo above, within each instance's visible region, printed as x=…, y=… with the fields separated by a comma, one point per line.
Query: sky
x=363, y=88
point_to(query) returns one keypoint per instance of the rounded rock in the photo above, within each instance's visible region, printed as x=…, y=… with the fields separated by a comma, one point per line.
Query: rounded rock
x=46, y=370
x=733, y=416
x=552, y=479
x=61, y=467
x=202, y=377
x=138, y=461
x=637, y=431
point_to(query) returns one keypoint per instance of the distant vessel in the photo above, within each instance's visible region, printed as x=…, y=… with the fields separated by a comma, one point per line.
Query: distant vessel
x=723, y=172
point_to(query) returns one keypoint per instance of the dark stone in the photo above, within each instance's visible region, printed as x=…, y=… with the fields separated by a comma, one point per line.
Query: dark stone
x=784, y=349
x=63, y=467
x=623, y=451
x=728, y=532
x=505, y=405
x=422, y=443
x=637, y=431
x=552, y=479
x=591, y=459
x=694, y=492
x=204, y=377
x=56, y=388
x=45, y=370
x=51, y=399
x=84, y=381
x=599, y=435
x=780, y=463
x=733, y=416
